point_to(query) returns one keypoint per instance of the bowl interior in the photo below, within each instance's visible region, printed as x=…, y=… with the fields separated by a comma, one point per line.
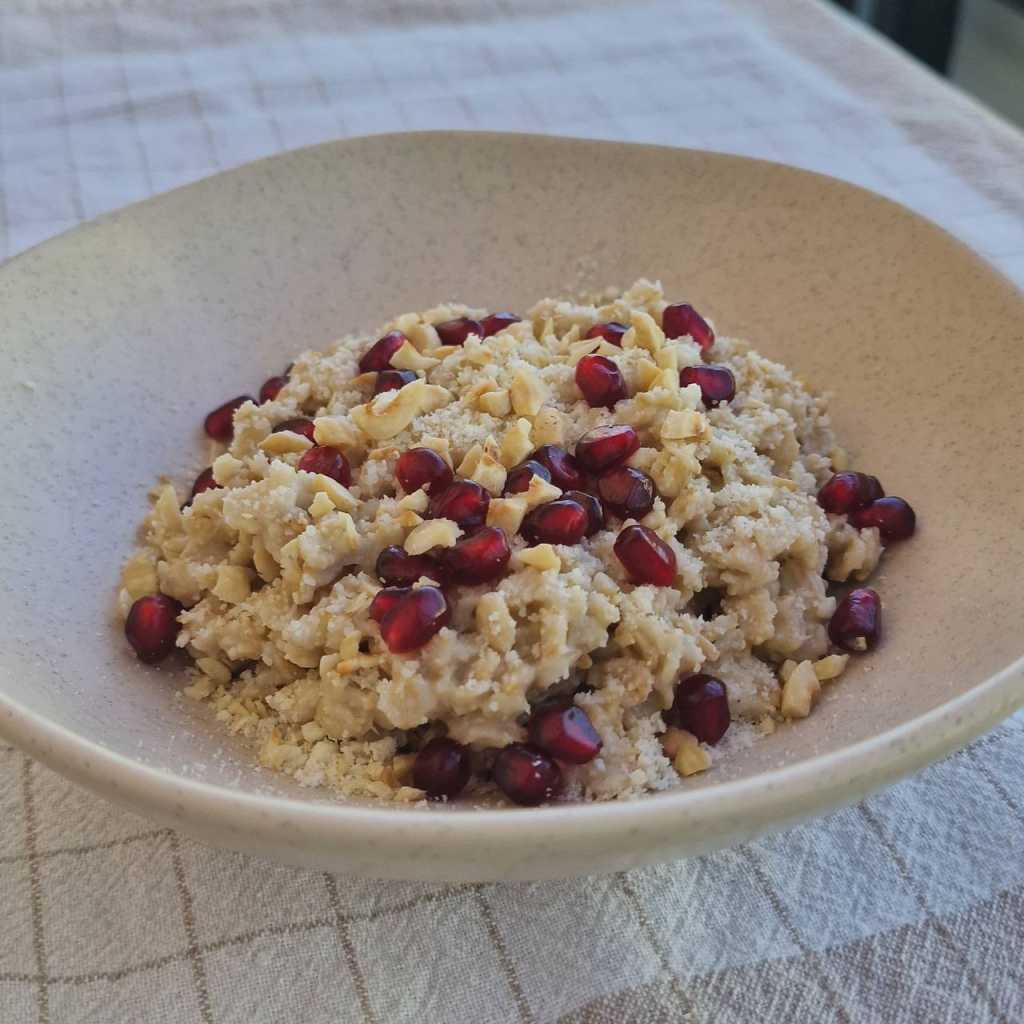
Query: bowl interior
x=120, y=335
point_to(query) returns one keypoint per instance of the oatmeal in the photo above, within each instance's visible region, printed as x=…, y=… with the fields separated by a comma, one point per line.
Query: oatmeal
x=575, y=554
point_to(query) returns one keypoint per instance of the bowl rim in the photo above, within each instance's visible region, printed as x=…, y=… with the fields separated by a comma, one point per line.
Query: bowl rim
x=778, y=795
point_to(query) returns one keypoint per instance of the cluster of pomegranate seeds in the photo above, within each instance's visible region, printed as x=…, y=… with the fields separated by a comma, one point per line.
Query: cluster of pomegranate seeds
x=701, y=707
x=526, y=775
x=465, y=502
x=152, y=627
x=498, y=322
x=612, y=332
x=423, y=468
x=564, y=472
x=645, y=556
x=328, y=462
x=272, y=388
x=627, y=492
x=378, y=356
x=442, y=768
x=592, y=506
x=414, y=619
x=478, y=558
x=298, y=425
x=716, y=383
x=681, y=319
x=220, y=424
x=603, y=447
x=558, y=522
x=203, y=482
x=455, y=332
x=894, y=518
x=846, y=492
x=392, y=380
x=396, y=567
x=386, y=599
x=601, y=382
x=861, y=498
x=564, y=731
x=519, y=477
x=856, y=624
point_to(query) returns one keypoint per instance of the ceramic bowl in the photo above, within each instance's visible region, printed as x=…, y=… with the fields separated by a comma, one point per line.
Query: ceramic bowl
x=118, y=336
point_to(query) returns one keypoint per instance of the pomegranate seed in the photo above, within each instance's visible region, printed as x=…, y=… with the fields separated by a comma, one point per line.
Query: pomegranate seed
x=152, y=627
x=220, y=424
x=328, y=462
x=557, y=522
x=378, y=355
x=299, y=425
x=627, y=492
x=498, y=322
x=894, y=518
x=392, y=380
x=717, y=384
x=386, y=599
x=395, y=566
x=455, y=332
x=565, y=733
x=700, y=706
x=592, y=506
x=478, y=558
x=519, y=477
x=464, y=502
x=204, y=482
x=565, y=474
x=681, y=319
x=442, y=768
x=600, y=381
x=612, y=332
x=414, y=620
x=845, y=492
x=603, y=447
x=423, y=467
x=271, y=388
x=526, y=775
x=645, y=556
x=856, y=624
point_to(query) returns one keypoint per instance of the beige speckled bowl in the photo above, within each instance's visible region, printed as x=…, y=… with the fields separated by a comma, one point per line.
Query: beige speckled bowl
x=118, y=336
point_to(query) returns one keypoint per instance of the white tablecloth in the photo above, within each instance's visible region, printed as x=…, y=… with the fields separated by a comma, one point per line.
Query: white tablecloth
x=905, y=909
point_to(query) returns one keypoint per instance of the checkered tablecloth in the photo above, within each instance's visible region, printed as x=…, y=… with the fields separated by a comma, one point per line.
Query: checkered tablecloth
x=908, y=908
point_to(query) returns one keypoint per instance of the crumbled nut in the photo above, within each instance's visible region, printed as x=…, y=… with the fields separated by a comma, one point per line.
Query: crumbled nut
x=668, y=358
x=685, y=425
x=489, y=473
x=349, y=666
x=232, y=584
x=401, y=768
x=266, y=564
x=495, y=622
x=800, y=691
x=516, y=443
x=786, y=669
x=541, y=556
x=434, y=533
x=527, y=392
x=508, y=513
x=495, y=403
x=839, y=459
x=688, y=756
x=139, y=577
x=480, y=387
x=441, y=445
x=548, y=427
x=831, y=666
x=284, y=442
x=766, y=725
x=226, y=467
x=216, y=670
x=540, y=492
x=644, y=332
x=335, y=432
x=585, y=347
x=418, y=501
x=443, y=351
x=321, y=506
x=408, y=358
x=339, y=495
x=312, y=732
x=408, y=519
x=392, y=411
x=647, y=374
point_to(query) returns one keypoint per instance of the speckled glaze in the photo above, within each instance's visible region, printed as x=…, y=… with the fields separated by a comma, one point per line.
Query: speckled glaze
x=118, y=336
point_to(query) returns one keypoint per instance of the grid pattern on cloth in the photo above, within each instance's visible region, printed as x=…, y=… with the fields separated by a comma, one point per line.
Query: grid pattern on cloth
x=904, y=909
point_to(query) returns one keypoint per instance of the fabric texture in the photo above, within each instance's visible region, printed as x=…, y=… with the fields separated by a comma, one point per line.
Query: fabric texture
x=907, y=908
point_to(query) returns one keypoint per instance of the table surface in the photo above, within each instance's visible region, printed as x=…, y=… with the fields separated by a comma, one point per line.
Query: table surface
x=907, y=908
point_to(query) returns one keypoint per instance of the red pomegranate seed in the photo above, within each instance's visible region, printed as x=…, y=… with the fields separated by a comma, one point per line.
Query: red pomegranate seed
x=396, y=567
x=519, y=477
x=681, y=319
x=498, y=322
x=600, y=381
x=478, y=558
x=271, y=388
x=845, y=492
x=378, y=355
x=455, y=332
x=565, y=733
x=701, y=706
x=392, y=380
x=152, y=627
x=612, y=332
x=603, y=447
x=716, y=383
x=442, y=768
x=220, y=424
x=414, y=620
x=526, y=775
x=856, y=624
x=645, y=556
x=386, y=599
x=557, y=522
x=299, y=425
x=894, y=518
x=565, y=474
x=464, y=502
x=204, y=482
x=627, y=492
x=328, y=462
x=423, y=467
x=592, y=506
